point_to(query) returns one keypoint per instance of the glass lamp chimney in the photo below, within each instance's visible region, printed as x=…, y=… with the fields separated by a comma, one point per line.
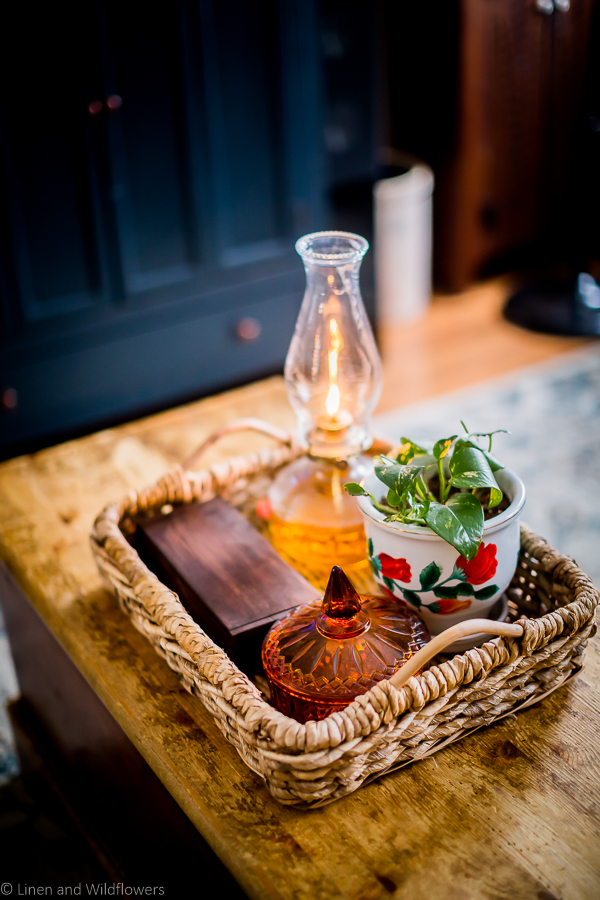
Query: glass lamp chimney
x=332, y=370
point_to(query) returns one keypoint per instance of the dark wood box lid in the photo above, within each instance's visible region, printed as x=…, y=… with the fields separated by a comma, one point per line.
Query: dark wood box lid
x=228, y=577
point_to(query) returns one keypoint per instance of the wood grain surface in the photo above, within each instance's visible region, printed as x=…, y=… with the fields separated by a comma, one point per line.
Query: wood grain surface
x=512, y=811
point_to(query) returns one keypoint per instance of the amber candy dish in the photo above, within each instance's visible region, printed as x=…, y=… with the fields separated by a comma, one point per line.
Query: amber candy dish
x=324, y=655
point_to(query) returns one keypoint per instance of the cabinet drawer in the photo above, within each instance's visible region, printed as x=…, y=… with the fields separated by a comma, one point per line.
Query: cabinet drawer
x=86, y=388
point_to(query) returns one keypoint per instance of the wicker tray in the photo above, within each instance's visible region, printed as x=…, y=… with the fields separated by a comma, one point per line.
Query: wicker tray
x=318, y=762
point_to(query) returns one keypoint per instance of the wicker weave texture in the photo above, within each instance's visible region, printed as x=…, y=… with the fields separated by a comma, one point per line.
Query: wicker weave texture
x=317, y=762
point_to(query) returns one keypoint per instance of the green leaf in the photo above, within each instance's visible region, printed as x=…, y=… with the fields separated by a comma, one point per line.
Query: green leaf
x=418, y=448
x=416, y=508
x=445, y=523
x=470, y=469
x=441, y=448
x=495, y=497
x=423, y=459
x=429, y=576
x=408, y=450
x=451, y=592
x=411, y=597
x=470, y=462
x=390, y=585
x=383, y=460
x=469, y=513
x=464, y=589
x=392, y=498
x=487, y=434
x=433, y=607
x=399, y=478
x=486, y=592
x=494, y=463
x=370, y=547
x=354, y=489
x=458, y=573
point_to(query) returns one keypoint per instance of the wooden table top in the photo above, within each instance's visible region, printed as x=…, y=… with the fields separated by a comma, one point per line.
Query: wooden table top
x=511, y=811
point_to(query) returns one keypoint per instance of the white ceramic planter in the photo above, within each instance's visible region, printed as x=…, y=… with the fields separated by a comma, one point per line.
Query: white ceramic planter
x=400, y=554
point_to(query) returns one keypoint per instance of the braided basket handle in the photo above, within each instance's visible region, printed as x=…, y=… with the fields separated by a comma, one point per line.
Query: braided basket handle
x=439, y=643
x=284, y=437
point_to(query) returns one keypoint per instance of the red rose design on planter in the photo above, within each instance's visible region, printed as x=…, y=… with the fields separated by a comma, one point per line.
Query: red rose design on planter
x=445, y=607
x=483, y=567
x=394, y=568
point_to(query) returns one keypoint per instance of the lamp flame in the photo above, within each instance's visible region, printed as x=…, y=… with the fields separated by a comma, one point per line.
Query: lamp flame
x=332, y=404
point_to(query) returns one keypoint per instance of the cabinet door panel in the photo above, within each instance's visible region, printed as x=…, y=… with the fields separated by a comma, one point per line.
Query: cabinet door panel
x=204, y=174
x=149, y=147
x=57, y=261
x=243, y=85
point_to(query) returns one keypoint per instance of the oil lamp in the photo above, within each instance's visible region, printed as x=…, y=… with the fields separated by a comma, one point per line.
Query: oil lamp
x=333, y=379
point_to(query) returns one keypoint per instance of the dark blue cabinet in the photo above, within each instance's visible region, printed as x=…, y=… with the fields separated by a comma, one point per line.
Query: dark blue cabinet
x=158, y=162
x=55, y=255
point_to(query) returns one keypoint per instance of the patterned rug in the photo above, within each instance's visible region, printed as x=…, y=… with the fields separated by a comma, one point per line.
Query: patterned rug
x=8, y=688
x=553, y=413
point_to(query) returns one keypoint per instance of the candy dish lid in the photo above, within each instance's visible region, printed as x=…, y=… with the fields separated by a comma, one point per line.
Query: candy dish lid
x=343, y=646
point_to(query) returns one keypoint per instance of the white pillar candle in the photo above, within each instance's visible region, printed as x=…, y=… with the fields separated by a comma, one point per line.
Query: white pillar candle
x=403, y=219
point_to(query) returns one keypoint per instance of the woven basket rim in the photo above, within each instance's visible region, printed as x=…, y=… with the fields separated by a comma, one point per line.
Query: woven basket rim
x=276, y=732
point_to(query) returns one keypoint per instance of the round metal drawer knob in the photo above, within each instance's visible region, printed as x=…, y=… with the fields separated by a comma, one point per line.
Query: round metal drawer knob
x=114, y=102
x=9, y=399
x=248, y=329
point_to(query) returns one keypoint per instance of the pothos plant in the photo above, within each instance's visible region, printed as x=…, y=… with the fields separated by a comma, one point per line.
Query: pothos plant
x=448, y=486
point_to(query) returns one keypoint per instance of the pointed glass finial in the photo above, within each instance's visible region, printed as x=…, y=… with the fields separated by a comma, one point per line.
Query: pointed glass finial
x=326, y=654
x=342, y=615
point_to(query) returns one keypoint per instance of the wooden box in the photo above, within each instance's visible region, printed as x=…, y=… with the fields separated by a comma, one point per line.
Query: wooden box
x=227, y=576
